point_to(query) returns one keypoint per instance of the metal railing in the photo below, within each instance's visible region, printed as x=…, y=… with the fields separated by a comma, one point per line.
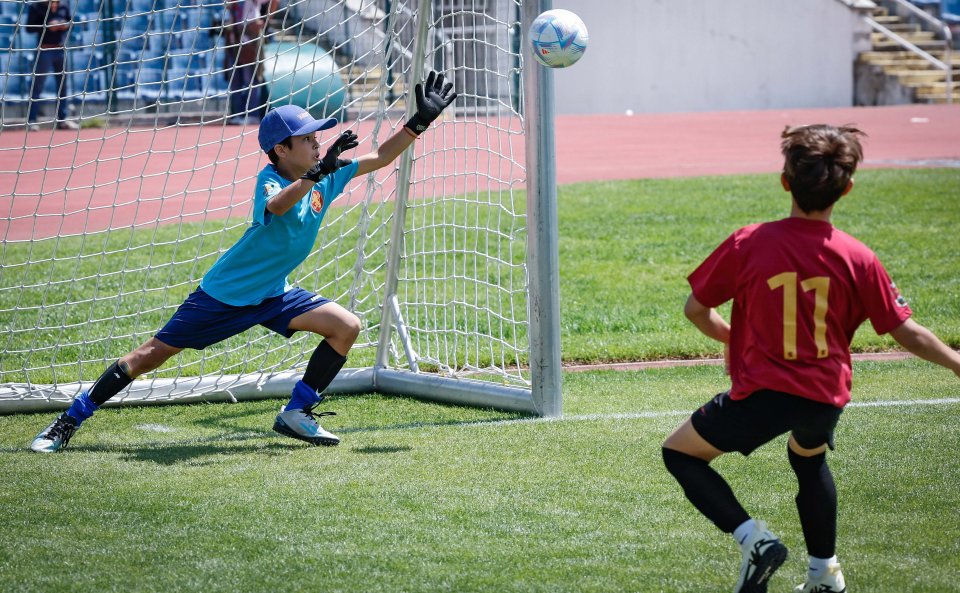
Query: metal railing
x=946, y=64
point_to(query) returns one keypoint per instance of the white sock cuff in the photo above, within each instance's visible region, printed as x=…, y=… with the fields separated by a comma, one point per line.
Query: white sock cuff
x=820, y=564
x=743, y=531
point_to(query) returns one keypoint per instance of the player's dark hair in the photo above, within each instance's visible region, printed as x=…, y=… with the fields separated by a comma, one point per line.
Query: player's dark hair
x=819, y=161
x=272, y=155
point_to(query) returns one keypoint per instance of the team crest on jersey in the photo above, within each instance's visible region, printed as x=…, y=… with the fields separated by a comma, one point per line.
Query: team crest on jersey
x=316, y=201
x=901, y=302
x=271, y=188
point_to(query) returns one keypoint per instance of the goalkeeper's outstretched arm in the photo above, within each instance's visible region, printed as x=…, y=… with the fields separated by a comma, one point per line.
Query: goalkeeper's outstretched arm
x=432, y=98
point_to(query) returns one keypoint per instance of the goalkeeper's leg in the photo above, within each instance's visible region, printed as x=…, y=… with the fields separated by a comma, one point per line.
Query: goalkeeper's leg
x=146, y=358
x=339, y=329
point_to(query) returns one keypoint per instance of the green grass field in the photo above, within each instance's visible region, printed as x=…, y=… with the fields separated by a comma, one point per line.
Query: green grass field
x=422, y=497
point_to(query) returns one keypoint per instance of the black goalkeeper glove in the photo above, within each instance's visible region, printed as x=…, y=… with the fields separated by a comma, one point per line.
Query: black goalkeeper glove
x=332, y=161
x=432, y=99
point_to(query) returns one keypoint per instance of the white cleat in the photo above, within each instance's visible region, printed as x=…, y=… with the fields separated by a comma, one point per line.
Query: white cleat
x=302, y=425
x=763, y=553
x=831, y=581
x=56, y=436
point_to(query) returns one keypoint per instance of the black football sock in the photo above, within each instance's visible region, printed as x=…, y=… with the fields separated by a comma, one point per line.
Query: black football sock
x=816, y=503
x=111, y=382
x=706, y=489
x=325, y=363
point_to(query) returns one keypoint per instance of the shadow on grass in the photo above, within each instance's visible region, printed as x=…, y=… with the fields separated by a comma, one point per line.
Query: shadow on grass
x=369, y=450
x=241, y=442
x=176, y=454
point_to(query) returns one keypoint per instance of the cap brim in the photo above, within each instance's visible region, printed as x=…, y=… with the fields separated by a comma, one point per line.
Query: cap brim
x=315, y=126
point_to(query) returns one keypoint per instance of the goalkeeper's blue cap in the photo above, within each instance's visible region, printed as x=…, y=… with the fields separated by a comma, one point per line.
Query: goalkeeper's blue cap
x=289, y=120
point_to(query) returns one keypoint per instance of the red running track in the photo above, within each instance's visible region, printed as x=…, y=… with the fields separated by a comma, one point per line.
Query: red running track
x=68, y=182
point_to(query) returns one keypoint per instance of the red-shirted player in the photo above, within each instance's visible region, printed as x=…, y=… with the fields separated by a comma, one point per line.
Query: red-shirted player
x=800, y=290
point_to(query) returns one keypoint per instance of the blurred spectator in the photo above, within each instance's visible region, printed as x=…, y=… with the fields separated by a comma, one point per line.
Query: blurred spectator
x=50, y=21
x=245, y=37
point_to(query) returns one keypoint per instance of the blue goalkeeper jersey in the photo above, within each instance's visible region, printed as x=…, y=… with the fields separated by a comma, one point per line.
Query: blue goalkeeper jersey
x=256, y=267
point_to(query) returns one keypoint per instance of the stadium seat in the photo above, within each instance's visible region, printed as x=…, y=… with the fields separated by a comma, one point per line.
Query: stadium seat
x=85, y=6
x=11, y=8
x=8, y=30
x=87, y=82
x=9, y=83
x=178, y=61
x=149, y=82
x=16, y=67
x=950, y=12
x=142, y=6
x=145, y=48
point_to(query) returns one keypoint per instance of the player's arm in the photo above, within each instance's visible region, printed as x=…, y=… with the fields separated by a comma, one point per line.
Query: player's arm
x=283, y=201
x=432, y=98
x=707, y=320
x=922, y=342
x=386, y=153
x=64, y=23
x=331, y=161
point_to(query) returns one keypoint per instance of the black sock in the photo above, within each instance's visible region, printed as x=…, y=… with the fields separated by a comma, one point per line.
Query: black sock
x=706, y=489
x=325, y=363
x=816, y=503
x=110, y=383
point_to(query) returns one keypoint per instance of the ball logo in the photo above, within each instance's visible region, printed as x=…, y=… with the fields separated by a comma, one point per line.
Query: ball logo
x=316, y=201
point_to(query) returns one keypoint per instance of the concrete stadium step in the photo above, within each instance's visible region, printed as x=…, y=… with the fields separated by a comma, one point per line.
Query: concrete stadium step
x=923, y=77
x=920, y=80
x=905, y=54
x=915, y=37
x=363, y=90
x=903, y=29
x=903, y=66
x=933, y=87
x=939, y=98
x=927, y=45
x=907, y=62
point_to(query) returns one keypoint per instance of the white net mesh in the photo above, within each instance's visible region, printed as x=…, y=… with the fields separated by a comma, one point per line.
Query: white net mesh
x=106, y=229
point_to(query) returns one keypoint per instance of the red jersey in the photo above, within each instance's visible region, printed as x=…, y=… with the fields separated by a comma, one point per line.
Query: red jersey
x=800, y=290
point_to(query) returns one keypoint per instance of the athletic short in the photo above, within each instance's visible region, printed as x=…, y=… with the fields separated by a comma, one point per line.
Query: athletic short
x=203, y=320
x=745, y=424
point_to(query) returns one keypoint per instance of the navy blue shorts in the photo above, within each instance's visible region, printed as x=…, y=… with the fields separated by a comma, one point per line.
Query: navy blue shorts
x=203, y=320
x=745, y=424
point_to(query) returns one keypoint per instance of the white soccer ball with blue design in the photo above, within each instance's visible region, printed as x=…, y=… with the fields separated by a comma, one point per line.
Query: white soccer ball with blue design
x=558, y=38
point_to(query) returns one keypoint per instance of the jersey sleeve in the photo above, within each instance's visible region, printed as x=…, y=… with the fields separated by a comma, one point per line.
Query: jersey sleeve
x=714, y=282
x=268, y=185
x=882, y=302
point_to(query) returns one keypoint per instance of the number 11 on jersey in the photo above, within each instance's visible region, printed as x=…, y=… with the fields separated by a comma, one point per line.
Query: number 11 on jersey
x=821, y=286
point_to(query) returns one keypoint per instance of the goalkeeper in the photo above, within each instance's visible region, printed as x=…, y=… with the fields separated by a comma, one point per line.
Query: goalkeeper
x=248, y=284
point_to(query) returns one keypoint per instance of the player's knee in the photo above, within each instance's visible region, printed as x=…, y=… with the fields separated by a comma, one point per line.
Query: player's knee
x=351, y=328
x=804, y=465
x=677, y=462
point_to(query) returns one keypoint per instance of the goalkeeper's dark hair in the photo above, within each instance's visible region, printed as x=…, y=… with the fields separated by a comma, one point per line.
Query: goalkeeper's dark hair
x=819, y=161
x=272, y=155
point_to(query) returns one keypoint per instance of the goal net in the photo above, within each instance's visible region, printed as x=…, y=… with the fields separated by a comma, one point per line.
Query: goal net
x=107, y=228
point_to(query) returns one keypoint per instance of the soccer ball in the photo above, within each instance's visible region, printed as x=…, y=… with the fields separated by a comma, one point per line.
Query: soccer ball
x=558, y=38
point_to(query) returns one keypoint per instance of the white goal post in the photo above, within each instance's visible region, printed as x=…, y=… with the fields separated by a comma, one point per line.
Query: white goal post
x=449, y=257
